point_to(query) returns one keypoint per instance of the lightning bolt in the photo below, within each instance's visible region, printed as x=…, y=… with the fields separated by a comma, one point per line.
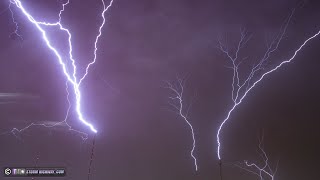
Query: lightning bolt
x=177, y=90
x=71, y=78
x=105, y=9
x=261, y=171
x=16, y=30
x=83, y=135
x=241, y=90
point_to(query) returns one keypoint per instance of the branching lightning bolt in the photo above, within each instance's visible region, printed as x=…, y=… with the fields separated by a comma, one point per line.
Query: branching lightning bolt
x=105, y=9
x=50, y=124
x=16, y=30
x=240, y=90
x=176, y=102
x=262, y=171
x=72, y=79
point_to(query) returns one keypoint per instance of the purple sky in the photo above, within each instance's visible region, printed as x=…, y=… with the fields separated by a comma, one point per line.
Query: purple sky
x=144, y=43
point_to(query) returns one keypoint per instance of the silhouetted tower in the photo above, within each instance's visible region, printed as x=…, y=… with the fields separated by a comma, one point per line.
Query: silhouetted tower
x=36, y=164
x=92, y=156
x=220, y=169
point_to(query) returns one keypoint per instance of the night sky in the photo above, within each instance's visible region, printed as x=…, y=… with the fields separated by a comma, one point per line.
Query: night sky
x=144, y=43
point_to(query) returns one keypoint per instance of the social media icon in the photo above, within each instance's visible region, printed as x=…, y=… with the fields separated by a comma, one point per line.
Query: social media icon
x=7, y=171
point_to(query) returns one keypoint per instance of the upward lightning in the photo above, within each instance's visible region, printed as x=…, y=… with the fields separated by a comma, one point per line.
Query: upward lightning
x=263, y=171
x=105, y=9
x=72, y=79
x=177, y=103
x=51, y=124
x=241, y=89
x=16, y=30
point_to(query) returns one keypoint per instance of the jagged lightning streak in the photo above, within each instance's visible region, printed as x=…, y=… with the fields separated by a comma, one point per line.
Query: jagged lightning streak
x=177, y=90
x=237, y=87
x=45, y=38
x=262, y=171
x=16, y=30
x=73, y=79
x=50, y=124
x=105, y=9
